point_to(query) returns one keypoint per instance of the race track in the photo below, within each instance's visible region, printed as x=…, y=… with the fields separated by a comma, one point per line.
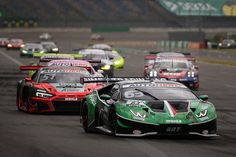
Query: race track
x=47, y=135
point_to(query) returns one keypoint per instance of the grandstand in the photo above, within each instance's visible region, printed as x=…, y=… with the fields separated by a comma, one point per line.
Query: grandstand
x=151, y=13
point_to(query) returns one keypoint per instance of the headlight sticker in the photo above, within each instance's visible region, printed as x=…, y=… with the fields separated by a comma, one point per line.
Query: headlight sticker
x=202, y=114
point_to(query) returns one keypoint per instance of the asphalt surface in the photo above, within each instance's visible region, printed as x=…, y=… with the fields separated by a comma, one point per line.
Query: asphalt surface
x=47, y=135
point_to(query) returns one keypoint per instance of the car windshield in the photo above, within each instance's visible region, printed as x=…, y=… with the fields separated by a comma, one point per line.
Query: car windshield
x=33, y=46
x=171, y=64
x=62, y=77
x=157, y=94
x=111, y=54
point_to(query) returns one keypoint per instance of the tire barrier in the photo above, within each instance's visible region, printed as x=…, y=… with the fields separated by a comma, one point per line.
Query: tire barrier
x=180, y=44
x=20, y=23
x=110, y=29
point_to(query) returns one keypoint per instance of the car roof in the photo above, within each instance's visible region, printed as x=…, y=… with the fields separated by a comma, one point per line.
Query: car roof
x=101, y=46
x=59, y=69
x=170, y=54
x=92, y=51
x=33, y=45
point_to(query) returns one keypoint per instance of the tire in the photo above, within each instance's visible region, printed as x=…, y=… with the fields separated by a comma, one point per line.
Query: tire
x=113, y=120
x=84, y=115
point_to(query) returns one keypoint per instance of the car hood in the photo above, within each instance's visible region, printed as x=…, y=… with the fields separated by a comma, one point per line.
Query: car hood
x=166, y=111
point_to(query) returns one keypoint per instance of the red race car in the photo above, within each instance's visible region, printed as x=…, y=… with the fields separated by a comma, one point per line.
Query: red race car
x=154, y=55
x=4, y=42
x=15, y=44
x=54, y=89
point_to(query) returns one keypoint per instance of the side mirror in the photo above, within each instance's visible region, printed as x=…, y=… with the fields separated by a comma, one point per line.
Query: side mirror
x=196, y=67
x=203, y=97
x=105, y=96
x=28, y=79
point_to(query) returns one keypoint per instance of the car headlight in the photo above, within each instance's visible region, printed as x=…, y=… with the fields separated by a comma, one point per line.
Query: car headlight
x=9, y=45
x=55, y=49
x=228, y=44
x=41, y=52
x=191, y=74
x=220, y=44
x=41, y=93
x=106, y=67
x=24, y=51
x=202, y=114
x=22, y=45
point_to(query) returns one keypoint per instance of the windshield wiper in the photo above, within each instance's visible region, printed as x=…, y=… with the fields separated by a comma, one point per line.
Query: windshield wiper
x=146, y=93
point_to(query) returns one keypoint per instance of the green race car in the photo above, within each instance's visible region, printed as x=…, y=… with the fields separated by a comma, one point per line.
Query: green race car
x=138, y=107
x=118, y=60
x=30, y=48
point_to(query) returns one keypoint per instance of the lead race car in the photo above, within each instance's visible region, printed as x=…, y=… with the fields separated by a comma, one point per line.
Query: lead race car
x=138, y=107
x=54, y=89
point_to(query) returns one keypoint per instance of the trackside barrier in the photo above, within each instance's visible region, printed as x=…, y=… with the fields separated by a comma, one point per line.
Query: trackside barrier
x=20, y=23
x=180, y=44
x=172, y=44
x=110, y=29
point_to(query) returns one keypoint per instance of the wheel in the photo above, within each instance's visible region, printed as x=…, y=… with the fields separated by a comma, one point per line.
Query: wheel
x=85, y=117
x=113, y=120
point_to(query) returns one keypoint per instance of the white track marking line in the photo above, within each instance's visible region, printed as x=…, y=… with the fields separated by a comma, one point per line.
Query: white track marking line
x=12, y=59
x=230, y=85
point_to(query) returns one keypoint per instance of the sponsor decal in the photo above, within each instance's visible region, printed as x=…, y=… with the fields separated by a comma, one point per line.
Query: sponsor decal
x=138, y=115
x=152, y=84
x=173, y=129
x=135, y=103
x=64, y=70
x=71, y=99
x=174, y=121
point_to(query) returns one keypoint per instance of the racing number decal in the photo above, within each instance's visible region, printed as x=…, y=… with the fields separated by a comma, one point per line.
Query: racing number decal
x=133, y=94
x=48, y=77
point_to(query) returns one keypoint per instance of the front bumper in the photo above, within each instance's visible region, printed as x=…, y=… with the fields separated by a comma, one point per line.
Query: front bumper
x=55, y=105
x=208, y=129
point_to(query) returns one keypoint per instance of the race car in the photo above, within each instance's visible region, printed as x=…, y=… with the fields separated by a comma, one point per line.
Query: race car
x=99, y=60
x=4, y=42
x=154, y=55
x=15, y=44
x=31, y=48
x=136, y=107
x=45, y=36
x=50, y=46
x=76, y=63
x=54, y=89
x=118, y=60
x=175, y=69
x=44, y=59
x=227, y=43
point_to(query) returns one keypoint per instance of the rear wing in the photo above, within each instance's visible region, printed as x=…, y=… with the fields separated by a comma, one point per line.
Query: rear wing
x=94, y=61
x=30, y=67
x=110, y=79
x=154, y=52
x=76, y=56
